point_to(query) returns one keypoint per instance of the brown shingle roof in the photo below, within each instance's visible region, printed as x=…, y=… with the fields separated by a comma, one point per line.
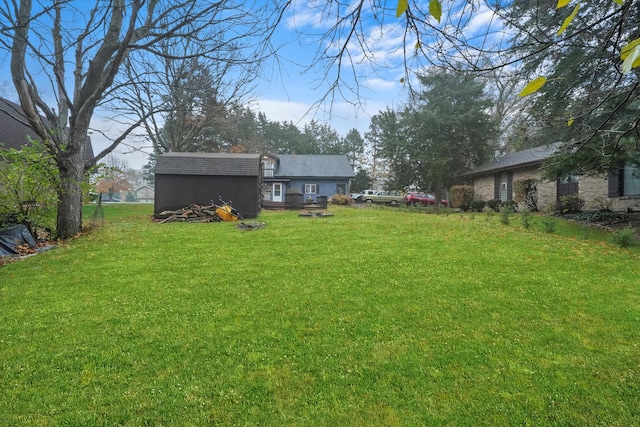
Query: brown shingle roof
x=15, y=129
x=532, y=156
x=229, y=164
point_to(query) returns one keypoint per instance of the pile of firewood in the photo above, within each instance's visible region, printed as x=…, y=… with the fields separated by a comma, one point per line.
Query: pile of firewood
x=191, y=213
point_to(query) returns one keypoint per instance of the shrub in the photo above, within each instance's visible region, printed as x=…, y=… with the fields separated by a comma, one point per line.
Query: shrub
x=511, y=205
x=477, y=205
x=28, y=186
x=340, y=199
x=494, y=204
x=526, y=192
x=525, y=218
x=504, y=215
x=625, y=237
x=603, y=203
x=549, y=224
x=461, y=196
x=570, y=204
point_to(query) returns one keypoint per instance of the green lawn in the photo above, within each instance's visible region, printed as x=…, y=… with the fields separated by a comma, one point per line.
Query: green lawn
x=370, y=317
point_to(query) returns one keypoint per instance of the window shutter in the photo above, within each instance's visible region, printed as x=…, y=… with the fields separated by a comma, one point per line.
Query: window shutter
x=496, y=186
x=615, y=182
x=509, y=185
x=317, y=188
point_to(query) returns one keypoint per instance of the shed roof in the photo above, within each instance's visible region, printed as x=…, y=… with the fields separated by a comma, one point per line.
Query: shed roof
x=228, y=164
x=519, y=159
x=314, y=165
x=15, y=128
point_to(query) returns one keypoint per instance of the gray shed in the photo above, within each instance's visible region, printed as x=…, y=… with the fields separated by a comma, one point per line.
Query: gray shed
x=185, y=178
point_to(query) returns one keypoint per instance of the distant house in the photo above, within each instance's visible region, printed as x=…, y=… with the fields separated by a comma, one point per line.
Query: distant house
x=182, y=179
x=15, y=130
x=312, y=175
x=494, y=180
x=144, y=193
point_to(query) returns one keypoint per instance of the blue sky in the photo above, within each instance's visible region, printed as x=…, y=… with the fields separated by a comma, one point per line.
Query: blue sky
x=293, y=89
x=294, y=92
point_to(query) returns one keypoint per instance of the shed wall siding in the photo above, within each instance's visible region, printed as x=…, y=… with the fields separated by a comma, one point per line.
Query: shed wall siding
x=177, y=191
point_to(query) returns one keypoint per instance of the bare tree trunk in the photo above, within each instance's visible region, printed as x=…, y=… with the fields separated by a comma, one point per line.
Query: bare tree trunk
x=69, y=220
x=71, y=164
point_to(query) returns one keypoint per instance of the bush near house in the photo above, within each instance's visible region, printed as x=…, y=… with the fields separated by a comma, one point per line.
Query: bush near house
x=28, y=183
x=477, y=205
x=525, y=191
x=340, y=199
x=570, y=204
x=494, y=204
x=461, y=196
x=509, y=205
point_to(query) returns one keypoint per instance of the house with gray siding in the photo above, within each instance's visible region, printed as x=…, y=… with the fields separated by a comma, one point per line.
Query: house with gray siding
x=313, y=175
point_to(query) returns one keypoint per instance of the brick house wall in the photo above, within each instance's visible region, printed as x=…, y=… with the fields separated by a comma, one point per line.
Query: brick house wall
x=590, y=189
x=484, y=186
x=596, y=190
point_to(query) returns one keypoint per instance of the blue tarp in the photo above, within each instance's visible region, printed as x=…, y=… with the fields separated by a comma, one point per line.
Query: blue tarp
x=13, y=236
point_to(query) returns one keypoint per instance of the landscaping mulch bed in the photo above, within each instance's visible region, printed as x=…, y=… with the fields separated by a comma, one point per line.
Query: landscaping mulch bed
x=608, y=220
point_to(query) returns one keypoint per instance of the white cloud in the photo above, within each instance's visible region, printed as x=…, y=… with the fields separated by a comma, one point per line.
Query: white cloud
x=378, y=84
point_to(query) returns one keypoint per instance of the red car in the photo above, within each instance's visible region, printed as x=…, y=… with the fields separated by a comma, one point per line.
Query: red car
x=425, y=199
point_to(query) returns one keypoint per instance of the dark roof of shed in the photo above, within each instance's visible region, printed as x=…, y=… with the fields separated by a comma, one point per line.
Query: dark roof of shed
x=314, y=166
x=523, y=158
x=15, y=128
x=227, y=164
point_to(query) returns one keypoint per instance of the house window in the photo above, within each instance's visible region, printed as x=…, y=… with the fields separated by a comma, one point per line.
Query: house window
x=567, y=186
x=504, y=185
x=625, y=181
x=630, y=181
x=341, y=189
x=268, y=172
x=310, y=189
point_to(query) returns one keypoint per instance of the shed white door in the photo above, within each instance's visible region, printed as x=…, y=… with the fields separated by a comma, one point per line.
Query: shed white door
x=277, y=192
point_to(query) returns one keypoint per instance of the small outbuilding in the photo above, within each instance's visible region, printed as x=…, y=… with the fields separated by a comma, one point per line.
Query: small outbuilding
x=182, y=179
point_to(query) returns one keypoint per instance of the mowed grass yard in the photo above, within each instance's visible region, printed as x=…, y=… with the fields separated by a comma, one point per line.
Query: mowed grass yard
x=370, y=317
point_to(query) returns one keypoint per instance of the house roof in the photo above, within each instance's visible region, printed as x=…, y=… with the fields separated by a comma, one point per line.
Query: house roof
x=519, y=159
x=229, y=164
x=15, y=128
x=314, y=166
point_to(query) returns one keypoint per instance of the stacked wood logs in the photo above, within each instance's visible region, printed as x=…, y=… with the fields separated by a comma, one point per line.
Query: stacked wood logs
x=191, y=213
